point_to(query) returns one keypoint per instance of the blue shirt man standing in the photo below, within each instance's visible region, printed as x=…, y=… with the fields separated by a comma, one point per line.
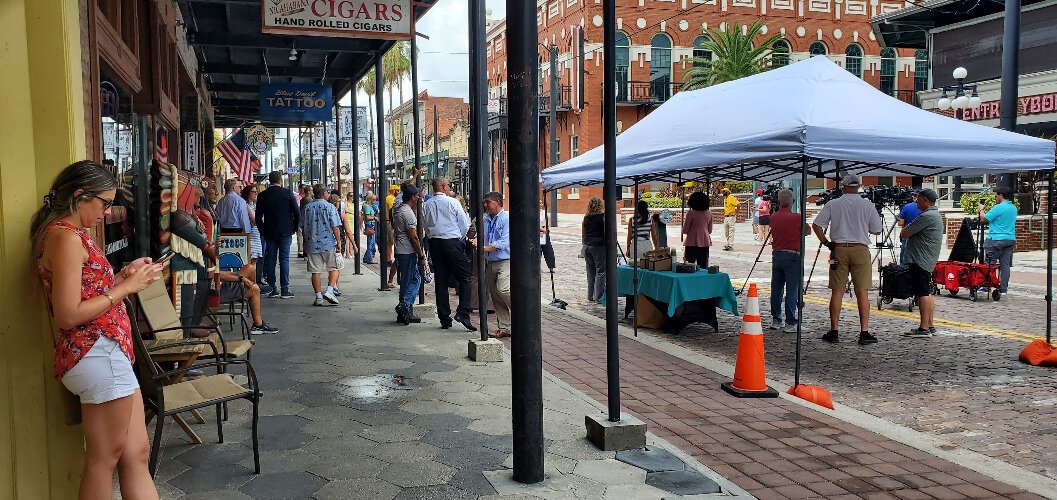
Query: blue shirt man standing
x=497, y=259
x=1001, y=235
x=232, y=214
x=907, y=214
x=322, y=229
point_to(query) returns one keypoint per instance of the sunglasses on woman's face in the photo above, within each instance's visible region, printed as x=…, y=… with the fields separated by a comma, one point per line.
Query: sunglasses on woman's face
x=106, y=203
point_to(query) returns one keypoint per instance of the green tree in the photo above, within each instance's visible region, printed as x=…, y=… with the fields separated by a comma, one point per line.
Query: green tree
x=734, y=56
x=396, y=64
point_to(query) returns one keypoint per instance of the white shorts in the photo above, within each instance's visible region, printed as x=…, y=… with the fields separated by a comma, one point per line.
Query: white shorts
x=103, y=374
x=324, y=262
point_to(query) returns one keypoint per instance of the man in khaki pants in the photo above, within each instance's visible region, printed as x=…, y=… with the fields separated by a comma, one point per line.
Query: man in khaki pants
x=851, y=220
x=730, y=217
x=497, y=260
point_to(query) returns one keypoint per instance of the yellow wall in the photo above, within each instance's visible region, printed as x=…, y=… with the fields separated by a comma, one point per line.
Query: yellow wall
x=41, y=131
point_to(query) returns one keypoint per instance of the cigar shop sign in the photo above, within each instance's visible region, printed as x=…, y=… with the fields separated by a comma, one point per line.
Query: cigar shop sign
x=390, y=19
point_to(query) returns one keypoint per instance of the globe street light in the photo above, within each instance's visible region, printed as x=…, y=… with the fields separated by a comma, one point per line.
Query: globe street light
x=960, y=100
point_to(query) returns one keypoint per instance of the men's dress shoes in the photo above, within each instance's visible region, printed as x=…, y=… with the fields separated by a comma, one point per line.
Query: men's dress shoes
x=465, y=321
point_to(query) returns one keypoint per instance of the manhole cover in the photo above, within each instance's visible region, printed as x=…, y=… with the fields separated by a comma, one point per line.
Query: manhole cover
x=380, y=388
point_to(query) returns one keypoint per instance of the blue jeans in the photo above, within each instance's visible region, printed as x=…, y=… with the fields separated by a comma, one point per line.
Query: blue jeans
x=785, y=277
x=278, y=249
x=1002, y=252
x=368, y=253
x=410, y=277
x=902, y=251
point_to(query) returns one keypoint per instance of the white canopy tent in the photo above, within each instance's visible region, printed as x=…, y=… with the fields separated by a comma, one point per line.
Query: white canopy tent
x=765, y=126
x=811, y=118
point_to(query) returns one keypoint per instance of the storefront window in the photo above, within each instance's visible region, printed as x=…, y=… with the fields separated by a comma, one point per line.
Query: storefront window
x=116, y=150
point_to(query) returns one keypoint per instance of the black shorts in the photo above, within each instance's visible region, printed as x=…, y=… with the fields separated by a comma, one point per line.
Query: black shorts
x=920, y=281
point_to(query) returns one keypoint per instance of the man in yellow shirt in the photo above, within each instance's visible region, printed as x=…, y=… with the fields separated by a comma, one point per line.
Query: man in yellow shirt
x=730, y=207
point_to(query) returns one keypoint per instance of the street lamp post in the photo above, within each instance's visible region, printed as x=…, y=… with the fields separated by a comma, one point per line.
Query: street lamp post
x=962, y=102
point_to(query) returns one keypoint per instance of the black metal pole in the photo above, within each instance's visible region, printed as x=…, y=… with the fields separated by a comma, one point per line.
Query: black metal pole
x=478, y=154
x=553, y=125
x=802, y=288
x=1049, y=256
x=1007, y=108
x=312, y=154
x=354, y=139
x=417, y=143
x=682, y=205
x=323, y=162
x=383, y=185
x=289, y=160
x=526, y=346
x=609, y=121
x=635, y=256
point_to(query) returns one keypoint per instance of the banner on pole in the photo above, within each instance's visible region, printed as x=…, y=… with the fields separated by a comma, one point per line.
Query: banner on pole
x=387, y=19
x=296, y=102
x=191, y=152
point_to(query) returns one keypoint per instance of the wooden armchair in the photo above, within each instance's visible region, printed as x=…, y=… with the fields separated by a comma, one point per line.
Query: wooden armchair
x=166, y=324
x=165, y=398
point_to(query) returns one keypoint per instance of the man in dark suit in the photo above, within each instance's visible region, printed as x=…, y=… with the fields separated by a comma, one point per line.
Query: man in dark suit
x=278, y=218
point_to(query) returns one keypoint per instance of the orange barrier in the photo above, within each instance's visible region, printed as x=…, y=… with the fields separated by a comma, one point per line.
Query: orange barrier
x=750, y=380
x=812, y=393
x=1039, y=353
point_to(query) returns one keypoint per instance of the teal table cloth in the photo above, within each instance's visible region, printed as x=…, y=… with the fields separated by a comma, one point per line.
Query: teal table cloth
x=676, y=288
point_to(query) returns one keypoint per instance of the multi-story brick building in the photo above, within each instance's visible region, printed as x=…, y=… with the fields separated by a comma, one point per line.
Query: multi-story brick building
x=452, y=114
x=657, y=41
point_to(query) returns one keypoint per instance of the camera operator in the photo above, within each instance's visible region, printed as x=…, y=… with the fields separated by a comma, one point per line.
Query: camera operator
x=786, y=228
x=851, y=220
x=907, y=214
x=1002, y=233
x=923, y=239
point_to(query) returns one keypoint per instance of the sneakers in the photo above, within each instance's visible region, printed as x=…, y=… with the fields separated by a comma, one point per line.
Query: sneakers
x=319, y=302
x=865, y=338
x=831, y=337
x=273, y=293
x=789, y=329
x=776, y=324
x=263, y=328
x=337, y=292
x=329, y=297
x=918, y=333
x=286, y=294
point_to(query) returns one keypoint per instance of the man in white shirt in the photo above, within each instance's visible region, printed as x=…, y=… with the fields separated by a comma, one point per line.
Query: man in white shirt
x=851, y=220
x=446, y=225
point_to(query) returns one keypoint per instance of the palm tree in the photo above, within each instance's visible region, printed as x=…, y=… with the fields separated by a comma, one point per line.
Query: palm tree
x=395, y=65
x=367, y=85
x=734, y=56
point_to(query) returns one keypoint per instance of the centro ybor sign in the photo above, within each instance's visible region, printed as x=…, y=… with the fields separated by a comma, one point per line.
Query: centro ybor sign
x=348, y=18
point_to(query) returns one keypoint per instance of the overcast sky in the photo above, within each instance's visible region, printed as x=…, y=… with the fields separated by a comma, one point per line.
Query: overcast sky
x=443, y=59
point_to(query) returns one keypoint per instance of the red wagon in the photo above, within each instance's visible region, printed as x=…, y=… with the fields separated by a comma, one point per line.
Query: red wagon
x=954, y=276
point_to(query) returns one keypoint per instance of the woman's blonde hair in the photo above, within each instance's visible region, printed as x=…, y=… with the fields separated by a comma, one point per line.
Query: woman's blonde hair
x=90, y=177
x=595, y=206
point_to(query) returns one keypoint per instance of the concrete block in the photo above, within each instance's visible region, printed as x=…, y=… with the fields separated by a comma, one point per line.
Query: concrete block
x=625, y=434
x=485, y=351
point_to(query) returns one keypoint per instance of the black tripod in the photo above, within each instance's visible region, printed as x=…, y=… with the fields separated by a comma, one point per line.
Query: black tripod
x=753, y=268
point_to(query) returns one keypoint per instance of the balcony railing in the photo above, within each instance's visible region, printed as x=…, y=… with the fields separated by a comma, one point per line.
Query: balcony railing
x=907, y=96
x=637, y=92
x=565, y=93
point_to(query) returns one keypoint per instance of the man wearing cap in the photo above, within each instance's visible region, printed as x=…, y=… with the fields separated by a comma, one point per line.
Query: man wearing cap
x=850, y=220
x=1001, y=235
x=410, y=258
x=730, y=208
x=923, y=237
x=390, y=200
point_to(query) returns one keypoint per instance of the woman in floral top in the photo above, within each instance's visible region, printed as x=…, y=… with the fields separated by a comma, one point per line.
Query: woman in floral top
x=93, y=349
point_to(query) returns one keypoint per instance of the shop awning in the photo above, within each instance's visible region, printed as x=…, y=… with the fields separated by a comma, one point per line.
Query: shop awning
x=764, y=127
x=235, y=57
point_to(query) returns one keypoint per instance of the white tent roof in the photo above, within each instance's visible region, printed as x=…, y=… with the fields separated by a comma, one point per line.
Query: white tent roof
x=762, y=127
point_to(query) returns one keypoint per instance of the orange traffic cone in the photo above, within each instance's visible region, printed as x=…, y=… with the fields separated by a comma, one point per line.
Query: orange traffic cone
x=750, y=380
x=813, y=393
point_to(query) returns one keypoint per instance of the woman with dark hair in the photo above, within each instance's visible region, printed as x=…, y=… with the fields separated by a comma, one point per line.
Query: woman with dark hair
x=697, y=226
x=640, y=228
x=593, y=238
x=249, y=193
x=93, y=348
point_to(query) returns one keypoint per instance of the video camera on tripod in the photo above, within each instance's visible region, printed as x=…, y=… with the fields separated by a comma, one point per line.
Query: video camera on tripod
x=770, y=193
x=880, y=196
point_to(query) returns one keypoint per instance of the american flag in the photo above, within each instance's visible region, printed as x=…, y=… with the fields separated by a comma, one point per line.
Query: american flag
x=238, y=156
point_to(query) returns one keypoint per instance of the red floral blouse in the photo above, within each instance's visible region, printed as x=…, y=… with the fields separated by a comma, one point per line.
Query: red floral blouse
x=97, y=277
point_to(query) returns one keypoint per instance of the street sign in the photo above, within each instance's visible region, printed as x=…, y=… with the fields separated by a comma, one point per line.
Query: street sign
x=387, y=19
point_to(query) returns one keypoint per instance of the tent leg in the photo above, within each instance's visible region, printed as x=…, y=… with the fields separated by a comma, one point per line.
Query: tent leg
x=802, y=291
x=1049, y=258
x=635, y=253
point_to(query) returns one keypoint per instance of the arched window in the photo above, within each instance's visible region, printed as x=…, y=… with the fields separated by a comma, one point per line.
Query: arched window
x=853, y=59
x=817, y=48
x=780, y=53
x=888, y=70
x=660, y=67
x=623, y=49
x=701, y=54
x=921, y=70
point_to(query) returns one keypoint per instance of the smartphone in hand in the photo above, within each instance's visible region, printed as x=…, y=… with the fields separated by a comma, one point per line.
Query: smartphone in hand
x=165, y=258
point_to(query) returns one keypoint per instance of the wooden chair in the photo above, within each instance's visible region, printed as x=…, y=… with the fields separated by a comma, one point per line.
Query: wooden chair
x=166, y=323
x=166, y=394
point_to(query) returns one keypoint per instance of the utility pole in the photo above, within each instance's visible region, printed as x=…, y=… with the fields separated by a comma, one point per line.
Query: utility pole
x=417, y=144
x=383, y=185
x=1010, y=79
x=526, y=346
x=478, y=145
x=354, y=141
